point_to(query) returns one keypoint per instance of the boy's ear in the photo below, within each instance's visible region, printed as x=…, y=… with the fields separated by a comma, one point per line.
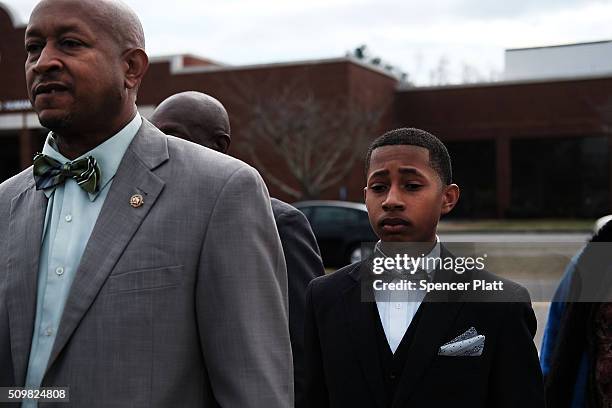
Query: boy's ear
x=365, y=191
x=450, y=196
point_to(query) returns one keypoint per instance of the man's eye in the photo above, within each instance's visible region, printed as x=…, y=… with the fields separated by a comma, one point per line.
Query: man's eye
x=70, y=43
x=32, y=47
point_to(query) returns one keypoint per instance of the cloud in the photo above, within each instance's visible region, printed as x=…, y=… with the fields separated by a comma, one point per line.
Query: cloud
x=478, y=9
x=412, y=34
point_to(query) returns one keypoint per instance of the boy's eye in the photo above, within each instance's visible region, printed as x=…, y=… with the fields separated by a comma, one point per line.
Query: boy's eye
x=413, y=186
x=378, y=188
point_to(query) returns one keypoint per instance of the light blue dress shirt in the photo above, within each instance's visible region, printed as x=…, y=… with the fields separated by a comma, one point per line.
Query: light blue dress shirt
x=396, y=316
x=69, y=220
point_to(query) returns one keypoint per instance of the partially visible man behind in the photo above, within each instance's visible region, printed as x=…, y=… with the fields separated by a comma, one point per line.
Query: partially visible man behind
x=196, y=117
x=141, y=270
x=202, y=119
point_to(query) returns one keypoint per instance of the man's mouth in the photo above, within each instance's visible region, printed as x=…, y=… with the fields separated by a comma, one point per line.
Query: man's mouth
x=49, y=88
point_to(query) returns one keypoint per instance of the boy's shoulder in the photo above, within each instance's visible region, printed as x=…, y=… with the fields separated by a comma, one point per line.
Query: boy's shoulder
x=335, y=283
x=511, y=292
x=350, y=272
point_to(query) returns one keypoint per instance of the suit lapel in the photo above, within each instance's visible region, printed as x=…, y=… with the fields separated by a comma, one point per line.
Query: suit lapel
x=359, y=315
x=27, y=217
x=438, y=316
x=115, y=227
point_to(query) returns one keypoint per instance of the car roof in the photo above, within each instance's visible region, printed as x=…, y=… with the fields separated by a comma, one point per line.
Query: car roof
x=601, y=222
x=331, y=203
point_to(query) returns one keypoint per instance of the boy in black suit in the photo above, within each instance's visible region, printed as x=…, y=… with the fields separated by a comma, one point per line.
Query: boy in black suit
x=456, y=348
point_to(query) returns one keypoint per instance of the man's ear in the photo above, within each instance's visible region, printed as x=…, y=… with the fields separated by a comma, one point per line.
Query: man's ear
x=365, y=192
x=450, y=196
x=136, y=63
x=223, y=143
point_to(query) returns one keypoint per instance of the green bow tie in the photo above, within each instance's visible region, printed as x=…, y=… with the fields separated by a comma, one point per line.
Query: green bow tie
x=49, y=172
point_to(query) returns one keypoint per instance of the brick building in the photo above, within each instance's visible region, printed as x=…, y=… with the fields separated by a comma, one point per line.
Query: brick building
x=524, y=148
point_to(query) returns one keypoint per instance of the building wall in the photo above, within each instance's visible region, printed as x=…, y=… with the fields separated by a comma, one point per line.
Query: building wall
x=543, y=114
x=12, y=57
x=545, y=109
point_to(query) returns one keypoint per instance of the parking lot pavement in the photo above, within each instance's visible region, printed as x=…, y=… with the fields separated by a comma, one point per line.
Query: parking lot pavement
x=515, y=237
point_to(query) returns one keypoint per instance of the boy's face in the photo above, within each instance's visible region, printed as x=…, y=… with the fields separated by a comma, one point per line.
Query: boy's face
x=404, y=194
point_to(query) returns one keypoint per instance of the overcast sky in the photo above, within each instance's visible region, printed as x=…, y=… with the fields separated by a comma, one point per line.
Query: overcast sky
x=415, y=35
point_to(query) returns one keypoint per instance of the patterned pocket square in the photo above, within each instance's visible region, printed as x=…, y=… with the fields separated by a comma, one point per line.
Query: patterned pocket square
x=469, y=344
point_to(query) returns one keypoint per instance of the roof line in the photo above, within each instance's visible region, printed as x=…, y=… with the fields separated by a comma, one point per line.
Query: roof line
x=503, y=83
x=177, y=68
x=560, y=45
x=173, y=58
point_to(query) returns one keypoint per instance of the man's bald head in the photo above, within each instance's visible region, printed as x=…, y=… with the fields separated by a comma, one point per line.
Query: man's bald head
x=113, y=17
x=196, y=117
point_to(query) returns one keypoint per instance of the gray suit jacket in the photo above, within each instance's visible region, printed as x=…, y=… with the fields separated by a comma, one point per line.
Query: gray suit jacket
x=181, y=302
x=303, y=265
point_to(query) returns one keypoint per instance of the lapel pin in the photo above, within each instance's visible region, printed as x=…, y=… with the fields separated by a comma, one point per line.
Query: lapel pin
x=136, y=200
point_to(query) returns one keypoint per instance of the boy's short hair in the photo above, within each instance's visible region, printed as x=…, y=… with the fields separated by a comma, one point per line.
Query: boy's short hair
x=439, y=159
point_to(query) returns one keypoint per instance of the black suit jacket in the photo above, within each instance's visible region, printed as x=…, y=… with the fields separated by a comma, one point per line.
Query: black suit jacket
x=303, y=265
x=343, y=369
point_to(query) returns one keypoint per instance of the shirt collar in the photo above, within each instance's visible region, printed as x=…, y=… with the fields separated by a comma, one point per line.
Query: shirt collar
x=434, y=253
x=108, y=154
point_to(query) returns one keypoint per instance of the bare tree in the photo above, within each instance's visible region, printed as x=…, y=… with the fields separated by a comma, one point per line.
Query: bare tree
x=317, y=139
x=362, y=54
x=440, y=74
x=470, y=74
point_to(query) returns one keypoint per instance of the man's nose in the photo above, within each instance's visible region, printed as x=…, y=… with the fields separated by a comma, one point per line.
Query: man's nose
x=393, y=200
x=48, y=60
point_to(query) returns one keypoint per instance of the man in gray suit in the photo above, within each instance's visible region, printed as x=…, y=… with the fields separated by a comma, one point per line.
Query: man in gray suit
x=202, y=119
x=136, y=268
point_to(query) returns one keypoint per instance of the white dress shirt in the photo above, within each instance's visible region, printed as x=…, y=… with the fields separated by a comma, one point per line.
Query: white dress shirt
x=396, y=316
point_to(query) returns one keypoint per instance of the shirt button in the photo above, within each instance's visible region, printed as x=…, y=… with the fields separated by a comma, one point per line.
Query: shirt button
x=68, y=218
x=59, y=270
x=49, y=332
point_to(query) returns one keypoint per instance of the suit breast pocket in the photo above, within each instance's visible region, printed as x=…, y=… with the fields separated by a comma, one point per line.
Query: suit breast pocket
x=145, y=279
x=459, y=365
